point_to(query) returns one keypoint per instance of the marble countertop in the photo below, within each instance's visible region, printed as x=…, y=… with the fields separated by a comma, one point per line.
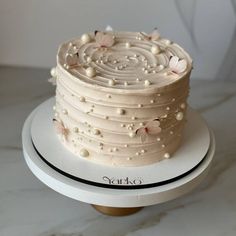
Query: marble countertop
x=29, y=208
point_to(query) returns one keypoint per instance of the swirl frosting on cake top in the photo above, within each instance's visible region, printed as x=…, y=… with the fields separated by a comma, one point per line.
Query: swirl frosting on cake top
x=121, y=96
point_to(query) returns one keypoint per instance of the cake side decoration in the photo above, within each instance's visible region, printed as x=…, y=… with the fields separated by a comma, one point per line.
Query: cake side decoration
x=151, y=128
x=60, y=128
x=122, y=96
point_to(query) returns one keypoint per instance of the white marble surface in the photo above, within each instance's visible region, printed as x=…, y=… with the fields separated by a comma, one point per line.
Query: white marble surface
x=29, y=208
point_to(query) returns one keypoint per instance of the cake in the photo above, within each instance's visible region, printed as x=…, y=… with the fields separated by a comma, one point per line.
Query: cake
x=121, y=97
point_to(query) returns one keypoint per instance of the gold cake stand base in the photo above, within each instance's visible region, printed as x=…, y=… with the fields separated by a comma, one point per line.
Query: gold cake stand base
x=117, y=211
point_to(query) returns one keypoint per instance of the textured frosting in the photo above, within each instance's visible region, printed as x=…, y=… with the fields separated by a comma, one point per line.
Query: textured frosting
x=121, y=104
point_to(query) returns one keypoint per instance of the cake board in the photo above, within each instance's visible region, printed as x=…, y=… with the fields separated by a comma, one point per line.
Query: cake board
x=119, y=198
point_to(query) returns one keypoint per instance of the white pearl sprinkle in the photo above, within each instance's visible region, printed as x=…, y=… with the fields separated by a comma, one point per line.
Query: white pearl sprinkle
x=140, y=105
x=146, y=71
x=151, y=101
x=158, y=139
x=120, y=111
x=53, y=72
x=126, y=145
x=83, y=152
x=182, y=105
x=143, y=151
x=147, y=83
x=90, y=72
x=179, y=116
x=171, y=132
x=54, y=108
x=122, y=125
x=133, y=118
x=141, y=124
x=64, y=111
x=167, y=108
x=127, y=45
x=137, y=153
x=163, y=145
x=111, y=82
x=168, y=42
x=160, y=67
x=132, y=134
x=115, y=149
x=167, y=155
x=85, y=38
x=125, y=83
x=89, y=59
x=155, y=49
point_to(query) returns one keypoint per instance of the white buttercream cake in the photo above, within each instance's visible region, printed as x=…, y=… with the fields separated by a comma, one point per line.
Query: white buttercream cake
x=121, y=97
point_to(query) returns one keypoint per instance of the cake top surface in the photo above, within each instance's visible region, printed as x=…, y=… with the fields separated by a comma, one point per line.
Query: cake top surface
x=124, y=61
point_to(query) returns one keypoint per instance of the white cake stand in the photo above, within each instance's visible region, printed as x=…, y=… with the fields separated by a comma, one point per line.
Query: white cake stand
x=115, y=190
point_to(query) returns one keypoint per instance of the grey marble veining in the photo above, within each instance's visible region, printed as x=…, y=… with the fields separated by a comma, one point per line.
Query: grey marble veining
x=29, y=208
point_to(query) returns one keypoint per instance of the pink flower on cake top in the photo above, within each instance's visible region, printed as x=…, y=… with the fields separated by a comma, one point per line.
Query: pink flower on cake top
x=155, y=35
x=104, y=40
x=177, y=65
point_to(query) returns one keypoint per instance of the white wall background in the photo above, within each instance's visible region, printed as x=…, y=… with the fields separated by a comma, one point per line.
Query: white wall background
x=31, y=30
